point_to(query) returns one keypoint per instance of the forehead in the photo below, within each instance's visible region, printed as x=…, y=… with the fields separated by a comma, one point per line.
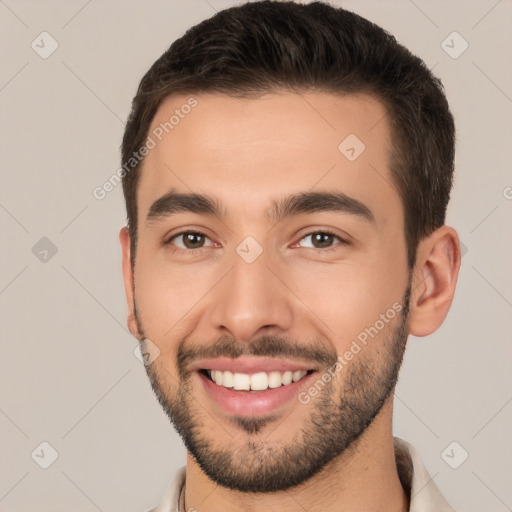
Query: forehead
x=247, y=152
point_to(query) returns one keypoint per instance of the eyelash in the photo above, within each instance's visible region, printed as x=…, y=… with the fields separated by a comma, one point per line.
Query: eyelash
x=168, y=242
x=325, y=232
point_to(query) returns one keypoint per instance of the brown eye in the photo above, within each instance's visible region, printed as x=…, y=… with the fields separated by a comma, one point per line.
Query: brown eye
x=190, y=240
x=320, y=240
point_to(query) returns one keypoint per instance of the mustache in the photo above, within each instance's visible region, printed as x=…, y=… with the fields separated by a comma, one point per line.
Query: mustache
x=265, y=346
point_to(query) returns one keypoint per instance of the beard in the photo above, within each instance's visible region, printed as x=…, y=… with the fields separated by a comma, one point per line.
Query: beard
x=336, y=421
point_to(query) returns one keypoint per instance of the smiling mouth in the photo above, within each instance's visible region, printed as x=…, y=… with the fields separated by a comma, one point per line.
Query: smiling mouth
x=260, y=381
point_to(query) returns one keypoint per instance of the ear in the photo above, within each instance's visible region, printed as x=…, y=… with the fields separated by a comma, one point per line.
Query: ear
x=128, y=278
x=434, y=279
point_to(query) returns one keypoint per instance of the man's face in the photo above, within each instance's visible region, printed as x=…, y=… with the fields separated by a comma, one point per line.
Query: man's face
x=297, y=260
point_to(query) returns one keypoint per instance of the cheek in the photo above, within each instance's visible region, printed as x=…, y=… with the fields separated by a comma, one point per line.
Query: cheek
x=167, y=294
x=346, y=299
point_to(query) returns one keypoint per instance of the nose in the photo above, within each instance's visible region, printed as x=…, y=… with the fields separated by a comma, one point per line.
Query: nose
x=252, y=300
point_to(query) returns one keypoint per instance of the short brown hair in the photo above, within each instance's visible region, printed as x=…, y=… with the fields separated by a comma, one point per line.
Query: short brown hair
x=259, y=47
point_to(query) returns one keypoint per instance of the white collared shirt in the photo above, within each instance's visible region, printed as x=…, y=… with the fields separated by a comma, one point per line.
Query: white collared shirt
x=424, y=496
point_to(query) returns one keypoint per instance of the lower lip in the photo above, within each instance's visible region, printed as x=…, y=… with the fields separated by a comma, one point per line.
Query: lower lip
x=252, y=403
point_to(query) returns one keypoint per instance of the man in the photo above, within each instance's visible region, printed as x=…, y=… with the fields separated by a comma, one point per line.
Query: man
x=287, y=170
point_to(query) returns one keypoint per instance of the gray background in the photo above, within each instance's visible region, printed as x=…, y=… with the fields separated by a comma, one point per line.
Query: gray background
x=68, y=374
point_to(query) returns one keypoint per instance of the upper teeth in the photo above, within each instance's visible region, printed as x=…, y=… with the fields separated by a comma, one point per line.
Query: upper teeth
x=256, y=381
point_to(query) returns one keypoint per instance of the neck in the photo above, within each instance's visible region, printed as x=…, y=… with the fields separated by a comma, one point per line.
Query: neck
x=362, y=479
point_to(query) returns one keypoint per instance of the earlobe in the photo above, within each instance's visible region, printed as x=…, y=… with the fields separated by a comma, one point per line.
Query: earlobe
x=434, y=280
x=128, y=279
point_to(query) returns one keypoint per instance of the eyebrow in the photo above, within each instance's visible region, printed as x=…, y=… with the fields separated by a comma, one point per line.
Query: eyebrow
x=305, y=202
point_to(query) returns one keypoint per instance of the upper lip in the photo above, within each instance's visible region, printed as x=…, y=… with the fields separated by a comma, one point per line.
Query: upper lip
x=250, y=365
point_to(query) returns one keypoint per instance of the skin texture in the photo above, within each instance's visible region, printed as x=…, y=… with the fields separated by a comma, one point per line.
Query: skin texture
x=209, y=300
